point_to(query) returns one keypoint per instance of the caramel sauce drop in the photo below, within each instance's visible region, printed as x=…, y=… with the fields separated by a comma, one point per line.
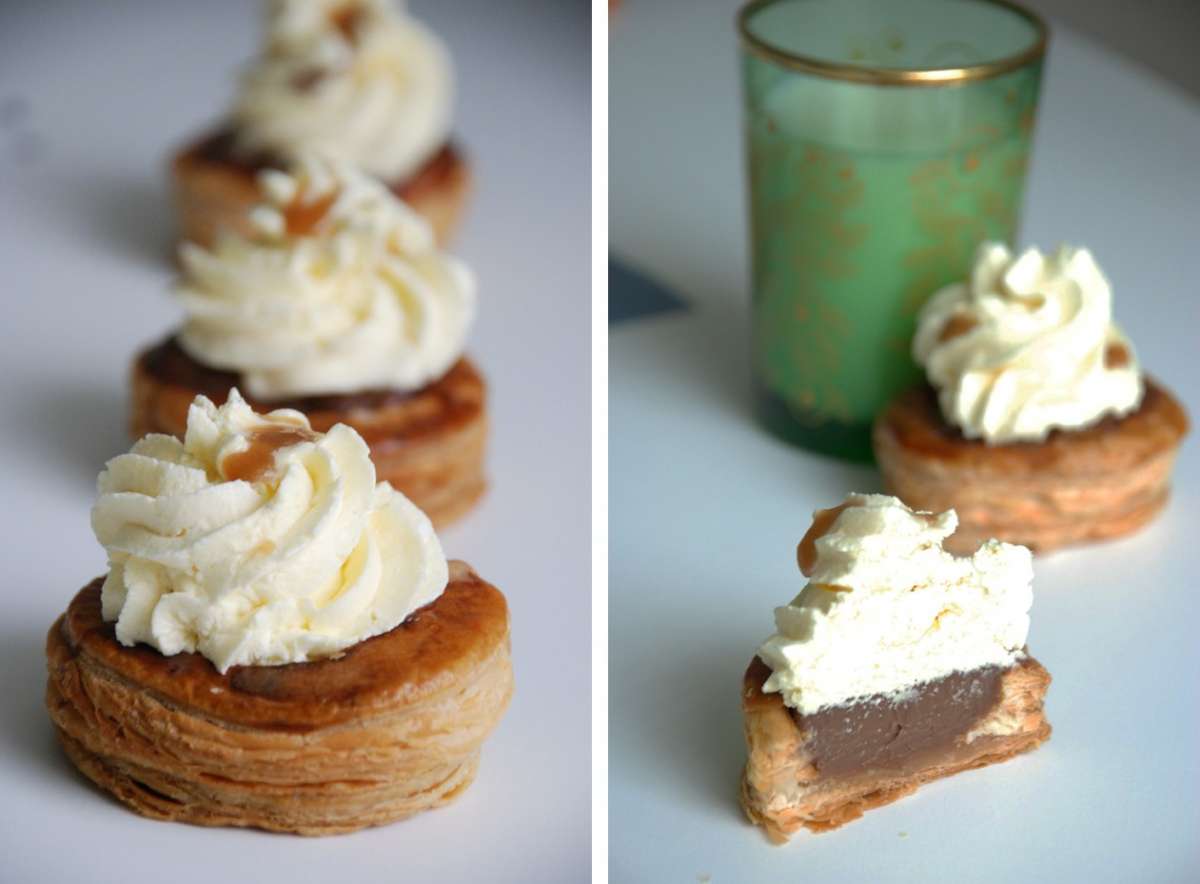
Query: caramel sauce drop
x=956, y=325
x=301, y=218
x=1116, y=355
x=806, y=552
x=833, y=587
x=347, y=19
x=1029, y=302
x=308, y=79
x=254, y=463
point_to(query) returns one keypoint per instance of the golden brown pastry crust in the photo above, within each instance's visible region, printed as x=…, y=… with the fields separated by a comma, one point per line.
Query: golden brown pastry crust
x=782, y=790
x=212, y=191
x=429, y=445
x=391, y=727
x=1097, y=483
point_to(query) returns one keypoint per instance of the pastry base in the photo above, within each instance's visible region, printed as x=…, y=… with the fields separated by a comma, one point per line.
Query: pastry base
x=392, y=726
x=214, y=189
x=783, y=790
x=1077, y=486
x=428, y=444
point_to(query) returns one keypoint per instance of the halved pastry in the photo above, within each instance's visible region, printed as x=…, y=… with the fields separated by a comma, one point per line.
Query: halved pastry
x=279, y=642
x=360, y=81
x=337, y=304
x=898, y=664
x=1040, y=427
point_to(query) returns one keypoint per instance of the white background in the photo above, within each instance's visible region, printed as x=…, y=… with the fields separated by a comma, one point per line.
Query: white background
x=108, y=90
x=706, y=509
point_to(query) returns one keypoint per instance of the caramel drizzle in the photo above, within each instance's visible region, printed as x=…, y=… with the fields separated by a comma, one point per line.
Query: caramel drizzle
x=348, y=19
x=1116, y=355
x=1029, y=302
x=259, y=458
x=956, y=326
x=806, y=552
x=832, y=587
x=937, y=620
x=301, y=218
x=308, y=79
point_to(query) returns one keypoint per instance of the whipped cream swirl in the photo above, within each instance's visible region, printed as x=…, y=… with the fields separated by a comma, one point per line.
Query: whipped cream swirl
x=258, y=541
x=357, y=80
x=887, y=608
x=340, y=289
x=1027, y=345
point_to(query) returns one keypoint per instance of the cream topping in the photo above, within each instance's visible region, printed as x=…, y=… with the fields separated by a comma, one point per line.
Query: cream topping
x=258, y=541
x=1027, y=345
x=887, y=608
x=357, y=80
x=341, y=288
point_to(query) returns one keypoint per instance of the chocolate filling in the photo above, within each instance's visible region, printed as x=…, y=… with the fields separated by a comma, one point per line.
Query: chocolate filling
x=897, y=732
x=168, y=363
x=220, y=149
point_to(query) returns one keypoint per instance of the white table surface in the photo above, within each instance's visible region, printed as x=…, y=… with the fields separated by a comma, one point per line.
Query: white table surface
x=706, y=509
x=84, y=228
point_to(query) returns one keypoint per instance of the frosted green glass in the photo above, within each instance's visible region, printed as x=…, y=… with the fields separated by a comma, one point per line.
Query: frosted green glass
x=866, y=197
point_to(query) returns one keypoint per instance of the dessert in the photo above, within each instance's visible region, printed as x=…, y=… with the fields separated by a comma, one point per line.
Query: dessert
x=1038, y=425
x=897, y=664
x=279, y=641
x=360, y=81
x=337, y=304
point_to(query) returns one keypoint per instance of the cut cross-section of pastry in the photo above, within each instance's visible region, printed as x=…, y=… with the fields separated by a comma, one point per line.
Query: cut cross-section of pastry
x=899, y=663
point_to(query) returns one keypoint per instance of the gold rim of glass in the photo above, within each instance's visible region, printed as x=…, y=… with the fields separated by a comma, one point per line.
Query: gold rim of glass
x=881, y=76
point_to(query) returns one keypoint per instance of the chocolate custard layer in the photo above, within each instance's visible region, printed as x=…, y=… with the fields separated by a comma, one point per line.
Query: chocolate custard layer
x=901, y=731
x=823, y=770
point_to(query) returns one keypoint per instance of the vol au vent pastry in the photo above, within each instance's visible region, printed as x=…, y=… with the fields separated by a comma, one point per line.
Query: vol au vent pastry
x=1038, y=426
x=897, y=664
x=279, y=642
x=338, y=304
x=361, y=81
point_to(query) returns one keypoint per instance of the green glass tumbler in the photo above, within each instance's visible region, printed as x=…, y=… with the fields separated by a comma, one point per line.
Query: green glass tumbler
x=885, y=139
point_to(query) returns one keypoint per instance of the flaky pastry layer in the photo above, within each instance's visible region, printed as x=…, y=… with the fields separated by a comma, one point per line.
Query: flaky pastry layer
x=1097, y=483
x=429, y=445
x=212, y=190
x=392, y=726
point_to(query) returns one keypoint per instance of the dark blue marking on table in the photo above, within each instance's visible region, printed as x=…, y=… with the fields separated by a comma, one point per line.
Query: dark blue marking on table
x=633, y=295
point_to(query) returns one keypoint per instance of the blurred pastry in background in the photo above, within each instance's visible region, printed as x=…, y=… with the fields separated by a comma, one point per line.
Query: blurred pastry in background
x=360, y=81
x=1038, y=425
x=897, y=664
x=335, y=302
x=279, y=642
